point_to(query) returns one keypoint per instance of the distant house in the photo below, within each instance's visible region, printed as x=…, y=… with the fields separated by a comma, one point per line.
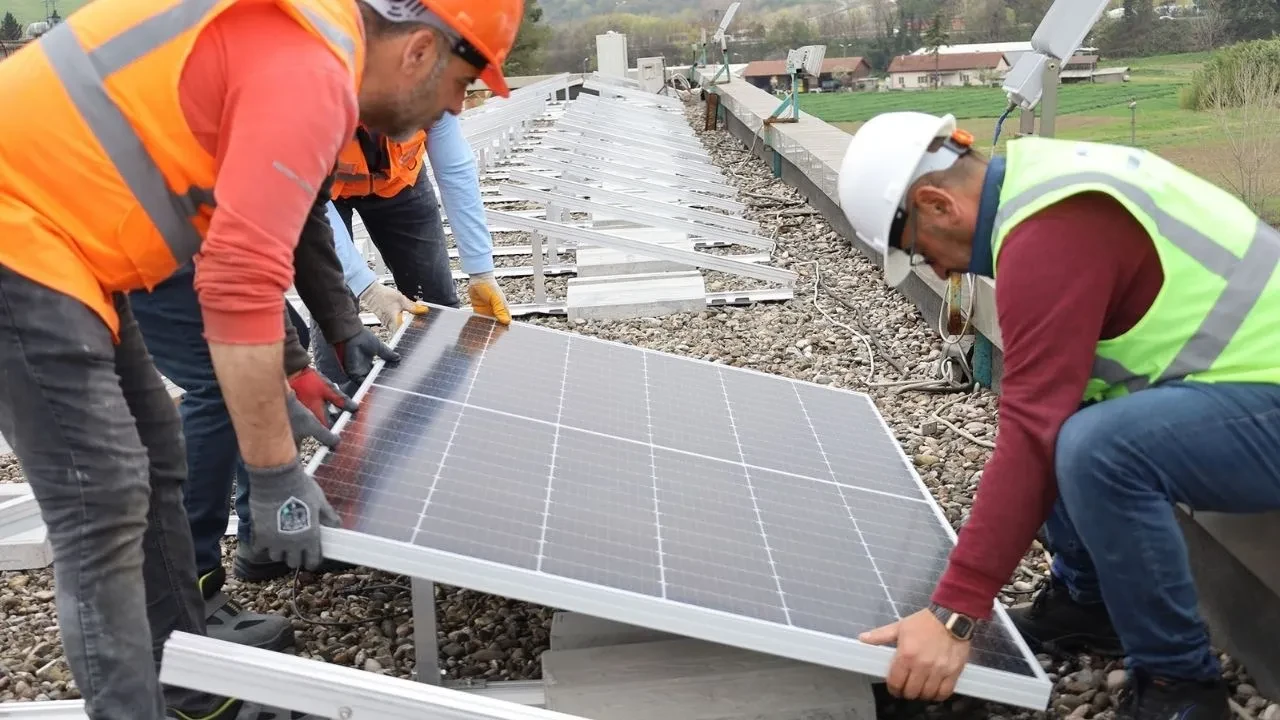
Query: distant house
x=913, y=72
x=836, y=72
x=1080, y=68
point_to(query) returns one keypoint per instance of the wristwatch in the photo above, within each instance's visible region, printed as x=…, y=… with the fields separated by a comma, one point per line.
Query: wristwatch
x=959, y=625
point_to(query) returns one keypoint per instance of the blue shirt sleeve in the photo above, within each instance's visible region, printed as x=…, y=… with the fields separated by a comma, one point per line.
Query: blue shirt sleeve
x=454, y=167
x=354, y=269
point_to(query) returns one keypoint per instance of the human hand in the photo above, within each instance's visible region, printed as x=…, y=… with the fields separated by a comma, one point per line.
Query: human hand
x=928, y=660
x=357, y=353
x=389, y=304
x=487, y=298
x=288, y=508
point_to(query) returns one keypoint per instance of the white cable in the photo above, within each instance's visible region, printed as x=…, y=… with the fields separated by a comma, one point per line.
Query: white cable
x=871, y=353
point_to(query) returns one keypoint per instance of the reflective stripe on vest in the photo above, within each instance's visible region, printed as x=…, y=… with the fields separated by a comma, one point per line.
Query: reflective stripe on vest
x=83, y=76
x=1246, y=277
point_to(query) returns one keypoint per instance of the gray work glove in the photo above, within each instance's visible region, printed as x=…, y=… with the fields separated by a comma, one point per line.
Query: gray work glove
x=356, y=354
x=389, y=305
x=288, y=508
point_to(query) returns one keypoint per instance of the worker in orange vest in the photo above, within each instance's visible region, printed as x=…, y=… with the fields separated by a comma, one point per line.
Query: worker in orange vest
x=188, y=129
x=381, y=179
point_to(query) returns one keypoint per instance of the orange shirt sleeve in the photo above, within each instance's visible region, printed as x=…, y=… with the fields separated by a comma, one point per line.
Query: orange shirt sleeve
x=274, y=106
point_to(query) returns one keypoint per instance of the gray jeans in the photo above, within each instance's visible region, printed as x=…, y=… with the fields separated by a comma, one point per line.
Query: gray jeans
x=101, y=445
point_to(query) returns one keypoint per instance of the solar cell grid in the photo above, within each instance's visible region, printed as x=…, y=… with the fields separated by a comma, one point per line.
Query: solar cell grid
x=729, y=492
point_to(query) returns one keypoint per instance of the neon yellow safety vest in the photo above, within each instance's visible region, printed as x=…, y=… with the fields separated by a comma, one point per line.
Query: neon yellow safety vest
x=1217, y=315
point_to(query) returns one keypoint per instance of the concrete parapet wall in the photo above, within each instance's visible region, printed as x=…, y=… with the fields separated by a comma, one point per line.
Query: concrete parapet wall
x=1233, y=556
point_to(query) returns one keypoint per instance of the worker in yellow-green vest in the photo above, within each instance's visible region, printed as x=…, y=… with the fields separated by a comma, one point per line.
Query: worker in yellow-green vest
x=1139, y=308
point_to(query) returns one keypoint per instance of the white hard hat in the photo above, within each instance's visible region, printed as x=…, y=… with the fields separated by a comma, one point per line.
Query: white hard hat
x=887, y=154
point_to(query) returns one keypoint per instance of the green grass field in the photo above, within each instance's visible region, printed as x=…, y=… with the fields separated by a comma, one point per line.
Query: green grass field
x=1195, y=140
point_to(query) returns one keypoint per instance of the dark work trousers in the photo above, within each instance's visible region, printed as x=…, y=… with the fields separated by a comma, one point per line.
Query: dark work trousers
x=409, y=235
x=101, y=445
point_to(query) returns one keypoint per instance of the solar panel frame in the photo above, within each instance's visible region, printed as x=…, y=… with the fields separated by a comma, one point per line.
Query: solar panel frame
x=530, y=585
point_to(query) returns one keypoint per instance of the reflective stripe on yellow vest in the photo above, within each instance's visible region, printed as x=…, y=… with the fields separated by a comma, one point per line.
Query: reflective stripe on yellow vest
x=103, y=187
x=1217, y=315
x=353, y=178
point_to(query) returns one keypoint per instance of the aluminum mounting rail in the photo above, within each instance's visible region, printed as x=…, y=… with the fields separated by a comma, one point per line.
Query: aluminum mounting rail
x=18, y=514
x=631, y=128
x=646, y=124
x=572, y=203
x=622, y=168
x=323, y=689
x=682, y=195
x=578, y=144
x=630, y=94
x=707, y=261
x=633, y=143
x=639, y=202
x=665, y=117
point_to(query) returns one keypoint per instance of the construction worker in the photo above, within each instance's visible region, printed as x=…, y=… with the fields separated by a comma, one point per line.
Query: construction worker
x=1138, y=289
x=185, y=132
x=381, y=179
x=172, y=328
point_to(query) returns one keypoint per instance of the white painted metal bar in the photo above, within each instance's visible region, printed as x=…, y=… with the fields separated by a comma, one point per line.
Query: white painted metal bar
x=663, y=193
x=644, y=203
x=691, y=258
x=630, y=123
x=578, y=144
x=52, y=710
x=323, y=689
x=622, y=168
x=637, y=216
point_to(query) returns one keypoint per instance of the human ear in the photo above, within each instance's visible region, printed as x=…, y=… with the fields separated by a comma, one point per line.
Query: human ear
x=420, y=51
x=934, y=201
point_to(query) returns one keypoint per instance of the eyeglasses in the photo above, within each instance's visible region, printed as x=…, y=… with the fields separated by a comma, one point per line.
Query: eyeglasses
x=458, y=45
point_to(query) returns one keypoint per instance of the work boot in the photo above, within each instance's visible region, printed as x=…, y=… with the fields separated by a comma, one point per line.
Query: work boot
x=234, y=709
x=1054, y=622
x=259, y=567
x=227, y=620
x=1160, y=699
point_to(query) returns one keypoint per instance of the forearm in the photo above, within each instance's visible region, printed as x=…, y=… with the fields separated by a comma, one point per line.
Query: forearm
x=296, y=357
x=355, y=270
x=318, y=277
x=253, y=387
x=454, y=168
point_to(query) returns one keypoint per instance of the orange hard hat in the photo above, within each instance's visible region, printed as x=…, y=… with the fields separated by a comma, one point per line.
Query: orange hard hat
x=489, y=27
x=485, y=30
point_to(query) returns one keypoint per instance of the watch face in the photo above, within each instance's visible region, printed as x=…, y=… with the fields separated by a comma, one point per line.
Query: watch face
x=961, y=626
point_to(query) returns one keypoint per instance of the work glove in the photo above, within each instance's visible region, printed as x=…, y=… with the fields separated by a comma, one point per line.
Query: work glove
x=356, y=354
x=307, y=406
x=487, y=298
x=288, y=508
x=389, y=304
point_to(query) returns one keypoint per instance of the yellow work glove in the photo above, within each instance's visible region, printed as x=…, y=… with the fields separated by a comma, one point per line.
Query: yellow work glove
x=487, y=298
x=388, y=305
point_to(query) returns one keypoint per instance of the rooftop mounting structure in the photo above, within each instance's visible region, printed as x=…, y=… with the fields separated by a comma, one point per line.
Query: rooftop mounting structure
x=802, y=61
x=1033, y=79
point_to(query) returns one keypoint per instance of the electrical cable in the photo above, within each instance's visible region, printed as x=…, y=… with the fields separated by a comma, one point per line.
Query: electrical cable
x=361, y=588
x=1000, y=122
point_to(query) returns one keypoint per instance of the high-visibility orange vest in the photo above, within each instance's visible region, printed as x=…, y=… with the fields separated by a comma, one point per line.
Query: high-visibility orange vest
x=103, y=187
x=400, y=166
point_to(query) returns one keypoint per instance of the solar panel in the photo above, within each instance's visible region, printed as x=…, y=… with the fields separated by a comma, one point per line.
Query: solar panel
x=695, y=498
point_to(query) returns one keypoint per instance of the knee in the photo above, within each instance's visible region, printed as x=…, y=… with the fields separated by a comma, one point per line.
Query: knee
x=1081, y=452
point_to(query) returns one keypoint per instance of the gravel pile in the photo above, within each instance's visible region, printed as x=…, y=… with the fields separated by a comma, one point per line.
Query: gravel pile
x=362, y=619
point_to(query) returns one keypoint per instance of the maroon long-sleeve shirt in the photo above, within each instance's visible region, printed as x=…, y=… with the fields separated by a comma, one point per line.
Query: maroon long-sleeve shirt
x=1078, y=271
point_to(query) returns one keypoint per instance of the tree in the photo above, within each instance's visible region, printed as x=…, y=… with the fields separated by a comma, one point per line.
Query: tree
x=10, y=30
x=1210, y=27
x=526, y=56
x=1245, y=104
x=934, y=39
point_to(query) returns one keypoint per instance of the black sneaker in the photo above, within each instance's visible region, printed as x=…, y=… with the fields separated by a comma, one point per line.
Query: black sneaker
x=259, y=567
x=1054, y=622
x=1160, y=699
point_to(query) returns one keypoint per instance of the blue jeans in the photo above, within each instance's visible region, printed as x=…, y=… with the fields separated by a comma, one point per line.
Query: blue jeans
x=1121, y=465
x=409, y=235
x=173, y=329
x=99, y=442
